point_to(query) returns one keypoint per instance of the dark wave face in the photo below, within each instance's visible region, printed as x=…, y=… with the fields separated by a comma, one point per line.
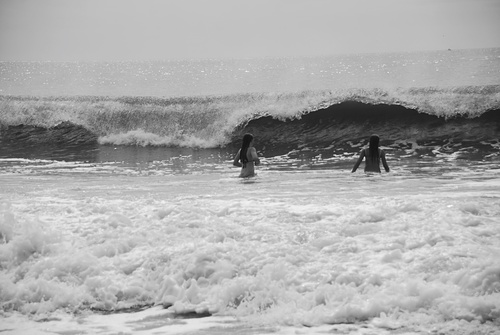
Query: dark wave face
x=346, y=127
x=65, y=141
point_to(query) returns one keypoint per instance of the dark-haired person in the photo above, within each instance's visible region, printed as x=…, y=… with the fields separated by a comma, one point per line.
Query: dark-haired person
x=247, y=158
x=373, y=156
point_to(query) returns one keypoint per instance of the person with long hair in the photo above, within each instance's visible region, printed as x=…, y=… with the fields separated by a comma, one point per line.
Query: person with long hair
x=373, y=156
x=247, y=158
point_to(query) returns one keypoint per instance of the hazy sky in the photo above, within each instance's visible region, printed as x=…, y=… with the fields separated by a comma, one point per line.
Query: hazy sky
x=177, y=29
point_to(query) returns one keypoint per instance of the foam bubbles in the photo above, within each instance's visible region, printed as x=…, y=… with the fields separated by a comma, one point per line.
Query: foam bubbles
x=309, y=248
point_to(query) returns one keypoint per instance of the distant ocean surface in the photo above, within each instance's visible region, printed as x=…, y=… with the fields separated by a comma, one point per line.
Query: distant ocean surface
x=120, y=210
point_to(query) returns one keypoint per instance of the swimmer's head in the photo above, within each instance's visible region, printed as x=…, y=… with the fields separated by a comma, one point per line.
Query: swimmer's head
x=374, y=141
x=247, y=139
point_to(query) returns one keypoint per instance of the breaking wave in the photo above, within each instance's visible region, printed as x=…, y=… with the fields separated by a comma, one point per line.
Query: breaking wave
x=307, y=118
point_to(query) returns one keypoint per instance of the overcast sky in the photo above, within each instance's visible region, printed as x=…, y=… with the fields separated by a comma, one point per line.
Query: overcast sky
x=69, y=30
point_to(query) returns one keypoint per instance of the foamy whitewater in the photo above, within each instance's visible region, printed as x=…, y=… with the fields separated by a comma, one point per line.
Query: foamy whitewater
x=121, y=212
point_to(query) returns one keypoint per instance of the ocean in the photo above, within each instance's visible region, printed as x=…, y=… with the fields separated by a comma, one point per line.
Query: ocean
x=121, y=212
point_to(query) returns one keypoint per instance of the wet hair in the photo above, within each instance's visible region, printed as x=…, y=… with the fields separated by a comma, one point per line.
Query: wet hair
x=247, y=139
x=374, y=142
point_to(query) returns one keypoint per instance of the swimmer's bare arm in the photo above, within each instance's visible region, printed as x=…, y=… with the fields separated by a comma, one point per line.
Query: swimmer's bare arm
x=384, y=162
x=236, y=161
x=255, y=158
x=360, y=159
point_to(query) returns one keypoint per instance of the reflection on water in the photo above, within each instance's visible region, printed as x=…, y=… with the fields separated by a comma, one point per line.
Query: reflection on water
x=175, y=160
x=179, y=157
x=49, y=151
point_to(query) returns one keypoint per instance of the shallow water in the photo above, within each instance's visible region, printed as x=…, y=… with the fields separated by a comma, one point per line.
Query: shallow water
x=302, y=249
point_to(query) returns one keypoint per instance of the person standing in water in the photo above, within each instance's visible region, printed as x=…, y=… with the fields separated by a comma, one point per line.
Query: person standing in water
x=373, y=156
x=247, y=158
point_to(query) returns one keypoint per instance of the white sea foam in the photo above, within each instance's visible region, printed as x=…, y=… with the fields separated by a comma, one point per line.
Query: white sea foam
x=142, y=138
x=286, y=249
